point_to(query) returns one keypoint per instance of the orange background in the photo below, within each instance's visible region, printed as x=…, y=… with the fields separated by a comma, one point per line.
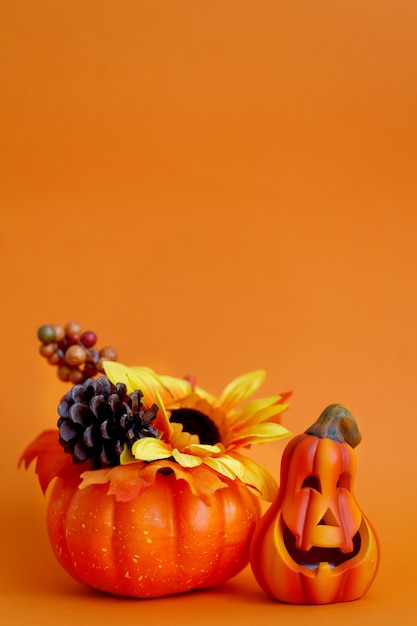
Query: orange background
x=213, y=186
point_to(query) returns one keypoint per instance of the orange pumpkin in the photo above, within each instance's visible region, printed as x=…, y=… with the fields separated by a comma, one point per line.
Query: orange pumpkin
x=164, y=541
x=314, y=545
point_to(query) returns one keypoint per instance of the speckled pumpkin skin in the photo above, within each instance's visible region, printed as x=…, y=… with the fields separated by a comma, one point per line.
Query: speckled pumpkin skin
x=166, y=541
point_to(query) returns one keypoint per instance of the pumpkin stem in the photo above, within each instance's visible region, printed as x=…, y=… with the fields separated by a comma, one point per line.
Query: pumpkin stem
x=337, y=423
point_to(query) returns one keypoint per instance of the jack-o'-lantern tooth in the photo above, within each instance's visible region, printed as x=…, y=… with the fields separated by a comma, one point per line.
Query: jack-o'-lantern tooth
x=324, y=569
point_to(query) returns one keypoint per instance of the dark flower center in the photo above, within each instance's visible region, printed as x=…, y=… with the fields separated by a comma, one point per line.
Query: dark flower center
x=197, y=423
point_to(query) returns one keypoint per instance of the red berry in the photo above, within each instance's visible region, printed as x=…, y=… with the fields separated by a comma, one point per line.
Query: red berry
x=55, y=358
x=72, y=332
x=72, y=340
x=64, y=372
x=76, y=377
x=88, y=338
x=90, y=370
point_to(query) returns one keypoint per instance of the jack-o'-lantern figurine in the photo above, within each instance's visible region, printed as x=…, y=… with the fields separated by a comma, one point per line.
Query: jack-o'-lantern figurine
x=314, y=545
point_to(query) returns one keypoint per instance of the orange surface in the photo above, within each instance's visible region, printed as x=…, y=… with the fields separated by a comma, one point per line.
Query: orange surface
x=213, y=187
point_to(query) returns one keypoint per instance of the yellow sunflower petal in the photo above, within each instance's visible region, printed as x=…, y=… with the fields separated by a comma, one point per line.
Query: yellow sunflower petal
x=145, y=379
x=180, y=439
x=162, y=422
x=148, y=382
x=142, y=378
x=178, y=387
x=240, y=388
x=202, y=449
x=127, y=457
x=202, y=393
x=269, y=413
x=260, y=433
x=167, y=386
x=253, y=410
x=186, y=460
x=187, y=402
x=115, y=372
x=257, y=477
x=150, y=449
x=226, y=465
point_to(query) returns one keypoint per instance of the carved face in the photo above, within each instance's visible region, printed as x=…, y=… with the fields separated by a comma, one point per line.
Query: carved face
x=318, y=506
x=314, y=545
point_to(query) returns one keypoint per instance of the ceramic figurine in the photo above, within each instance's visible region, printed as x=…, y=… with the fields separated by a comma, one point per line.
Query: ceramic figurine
x=314, y=545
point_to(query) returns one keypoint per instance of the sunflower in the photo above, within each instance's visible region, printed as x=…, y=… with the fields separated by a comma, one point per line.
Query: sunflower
x=198, y=430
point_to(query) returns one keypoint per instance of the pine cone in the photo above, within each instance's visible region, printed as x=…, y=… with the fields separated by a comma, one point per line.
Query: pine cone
x=98, y=418
x=136, y=420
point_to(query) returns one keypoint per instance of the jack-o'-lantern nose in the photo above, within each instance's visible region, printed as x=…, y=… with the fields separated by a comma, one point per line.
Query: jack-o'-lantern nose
x=328, y=519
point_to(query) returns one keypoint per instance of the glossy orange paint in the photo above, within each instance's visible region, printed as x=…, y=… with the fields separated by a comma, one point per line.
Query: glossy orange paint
x=314, y=545
x=165, y=541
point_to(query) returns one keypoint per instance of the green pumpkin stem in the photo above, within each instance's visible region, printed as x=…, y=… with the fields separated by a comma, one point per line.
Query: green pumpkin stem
x=337, y=423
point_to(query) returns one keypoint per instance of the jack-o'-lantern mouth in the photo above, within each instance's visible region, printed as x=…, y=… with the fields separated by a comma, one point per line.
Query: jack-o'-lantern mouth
x=311, y=559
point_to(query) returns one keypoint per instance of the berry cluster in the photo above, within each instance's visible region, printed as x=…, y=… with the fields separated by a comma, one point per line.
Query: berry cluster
x=72, y=351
